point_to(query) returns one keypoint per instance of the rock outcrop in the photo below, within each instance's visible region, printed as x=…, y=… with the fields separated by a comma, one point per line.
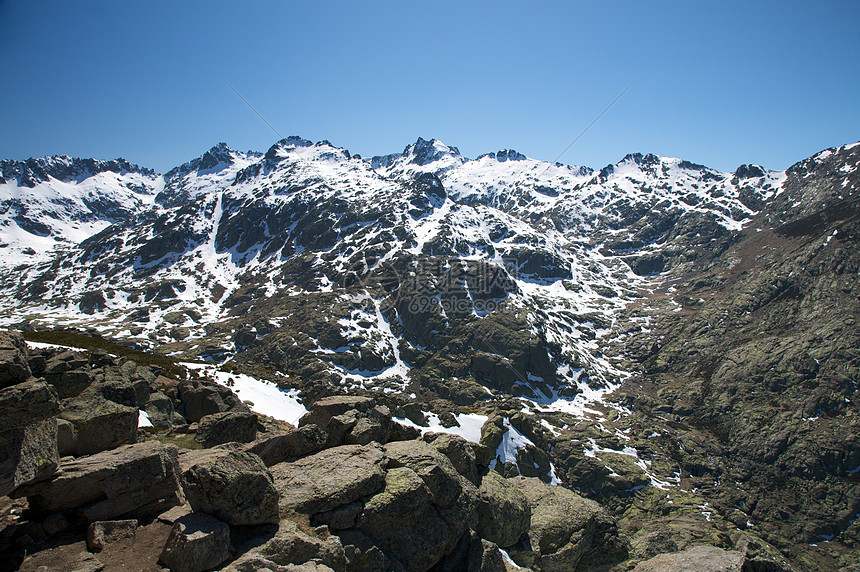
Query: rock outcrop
x=235, y=487
x=141, y=479
x=28, y=430
x=197, y=542
x=226, y=427
x=566, y=530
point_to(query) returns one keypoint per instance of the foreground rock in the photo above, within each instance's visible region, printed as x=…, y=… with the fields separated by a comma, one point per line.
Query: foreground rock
x=102, y=533
x=103, y=416
x=229, y=426
x=425, y=508
x=350, y=420
x=288, y=548
x=140, y=479
x=403, y=522
x=567, y=532
x=197, y=542
x=279, y=446
x=28, y=434
x=200, y=398
x=26, y=403
x=14, y=367
x=504, y=513
x=460, y=452
x=330, y=478
x=695, y=559
x=28, y=454
x=233, y=486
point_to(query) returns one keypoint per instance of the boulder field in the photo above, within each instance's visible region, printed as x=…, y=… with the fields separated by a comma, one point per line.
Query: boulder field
x=211, y=485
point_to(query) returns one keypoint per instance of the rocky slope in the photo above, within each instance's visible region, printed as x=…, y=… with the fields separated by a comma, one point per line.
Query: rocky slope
x=674, y=342
x=176, y=472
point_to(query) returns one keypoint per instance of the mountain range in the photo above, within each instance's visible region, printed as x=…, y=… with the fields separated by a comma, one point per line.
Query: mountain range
x=676, y=342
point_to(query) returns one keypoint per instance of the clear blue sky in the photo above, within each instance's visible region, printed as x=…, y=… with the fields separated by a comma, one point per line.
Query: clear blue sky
x=720, y=84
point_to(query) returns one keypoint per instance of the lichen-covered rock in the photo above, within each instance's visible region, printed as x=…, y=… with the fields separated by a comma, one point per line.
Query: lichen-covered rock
x=324, y=409
x=485, y=556
x=504, y=514
x=459, y=451
x=369, y=429
x=454, y=497
x=197, y=542
x=279, y=446
x=233, y=486
x=433, y=467
x=200, y=398
x=227, y=427
x=28, y=434
x=65, y=437
x=28, y=454
x=68, y=372
x=290, y=549
x=100, y=422
x=14, y=366
x=330, y=478
x=159, y=408
x=695, y=559
x=138, y=479
x=27, y=402
x=566, y=530
x=403, y=522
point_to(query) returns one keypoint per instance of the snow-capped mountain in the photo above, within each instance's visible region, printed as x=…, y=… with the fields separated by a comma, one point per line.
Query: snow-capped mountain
x=398, y=255
x=677, y=342
x=53, y=203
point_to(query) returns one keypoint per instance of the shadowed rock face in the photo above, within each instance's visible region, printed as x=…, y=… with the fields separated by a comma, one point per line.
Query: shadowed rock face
x=232, y=486
x=28, y=430
x=133, y=479
x=565, y=529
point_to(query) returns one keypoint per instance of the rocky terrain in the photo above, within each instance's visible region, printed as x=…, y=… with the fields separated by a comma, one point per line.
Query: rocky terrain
x=111, y=463
x=511, y=363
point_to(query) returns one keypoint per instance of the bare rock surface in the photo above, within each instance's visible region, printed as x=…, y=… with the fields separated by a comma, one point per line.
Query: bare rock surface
x=566, y=530
x=104, y=532
x=233, y=486
x=695, y=559
x=132, y=479
x=330, y=478
x=197, y=542
x=228, y=426
x=504, y=513
x=288, y=548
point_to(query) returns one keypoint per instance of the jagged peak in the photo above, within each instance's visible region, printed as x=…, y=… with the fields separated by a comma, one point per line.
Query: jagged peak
x=646, y=160
x=30, y=172
x=216, y=158
x=425, y=151
x=294, y=143
x=750, y=171
x=505, y=155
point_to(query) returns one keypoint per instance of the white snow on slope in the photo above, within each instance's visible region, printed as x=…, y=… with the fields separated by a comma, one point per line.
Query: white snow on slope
x=62, y=207
x=264, y=397
x=469, y=428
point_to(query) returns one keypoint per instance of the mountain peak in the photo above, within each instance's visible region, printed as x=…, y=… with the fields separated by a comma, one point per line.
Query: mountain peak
x=505, y=155
x=646, y=160
x=285, y=145
x=33, y=171
x=423, y=151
